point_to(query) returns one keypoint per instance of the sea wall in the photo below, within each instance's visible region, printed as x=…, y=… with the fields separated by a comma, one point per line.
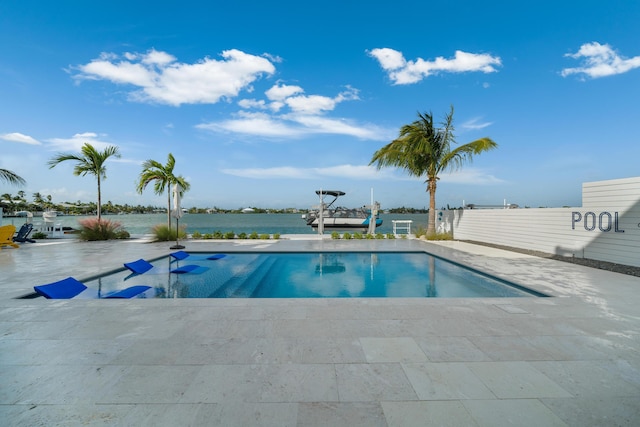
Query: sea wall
x=605, y=228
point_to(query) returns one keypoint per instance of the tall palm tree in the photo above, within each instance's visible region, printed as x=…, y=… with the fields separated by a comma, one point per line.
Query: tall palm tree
x=164, y=178
x=425, y=150
x=89, y=161
x=11, y=177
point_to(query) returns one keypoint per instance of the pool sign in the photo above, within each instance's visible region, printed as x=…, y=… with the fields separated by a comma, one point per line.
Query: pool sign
x=604, y=221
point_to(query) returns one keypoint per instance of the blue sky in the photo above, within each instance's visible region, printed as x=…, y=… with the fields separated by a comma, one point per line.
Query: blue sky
x=262, y=103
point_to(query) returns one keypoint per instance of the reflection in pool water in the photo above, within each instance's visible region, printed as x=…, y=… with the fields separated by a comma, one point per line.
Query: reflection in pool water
x=317, y=275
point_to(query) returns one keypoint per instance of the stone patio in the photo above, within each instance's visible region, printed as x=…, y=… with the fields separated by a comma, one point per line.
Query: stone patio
x=572, y=359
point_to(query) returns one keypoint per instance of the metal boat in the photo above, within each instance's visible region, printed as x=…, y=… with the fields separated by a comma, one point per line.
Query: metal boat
x=340, y=217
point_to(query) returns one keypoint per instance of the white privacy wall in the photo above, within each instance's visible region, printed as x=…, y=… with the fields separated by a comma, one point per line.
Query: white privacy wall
x=606, y=227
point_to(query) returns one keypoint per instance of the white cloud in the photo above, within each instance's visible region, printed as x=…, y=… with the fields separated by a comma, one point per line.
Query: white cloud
x=290, y=172
x=364, y=172
x=471, y=176
x=257, y=124
x=295, y=126
x=280, y=92
x=76, y=142
x=162, y=79
x=600, y=60
x=305, y=115
x=389, y=59
x=324, y=125
x=19, y=137
x=252, y=103
x=316, y=104
x=401, y=71
x=475, y=124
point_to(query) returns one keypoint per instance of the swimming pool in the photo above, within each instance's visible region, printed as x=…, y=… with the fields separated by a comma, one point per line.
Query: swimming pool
x=314, y=275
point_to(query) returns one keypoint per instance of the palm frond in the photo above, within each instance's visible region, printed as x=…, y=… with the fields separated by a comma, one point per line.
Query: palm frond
x=11, y=177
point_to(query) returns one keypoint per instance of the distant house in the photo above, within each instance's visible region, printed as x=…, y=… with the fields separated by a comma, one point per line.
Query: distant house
x=248, y=210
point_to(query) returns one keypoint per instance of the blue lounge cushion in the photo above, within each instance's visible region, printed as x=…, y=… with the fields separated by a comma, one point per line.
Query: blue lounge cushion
x=179, y=254
x=189, y=269
x=62, y=289
x=129, y=292
x=140, y=266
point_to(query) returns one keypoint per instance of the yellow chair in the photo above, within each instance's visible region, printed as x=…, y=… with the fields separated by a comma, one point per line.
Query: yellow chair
x=6, y=236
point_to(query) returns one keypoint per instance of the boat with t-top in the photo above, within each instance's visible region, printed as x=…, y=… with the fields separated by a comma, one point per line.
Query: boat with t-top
x=338, y=216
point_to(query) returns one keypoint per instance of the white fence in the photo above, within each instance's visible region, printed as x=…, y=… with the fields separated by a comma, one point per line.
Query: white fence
x=606, y=227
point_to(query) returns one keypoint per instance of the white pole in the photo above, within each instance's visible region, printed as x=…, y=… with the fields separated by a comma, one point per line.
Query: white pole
x=321, y=215
x=372, y=217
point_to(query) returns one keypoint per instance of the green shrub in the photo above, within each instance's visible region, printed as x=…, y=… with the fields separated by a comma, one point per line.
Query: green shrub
x=346, y=236
x=379, y=236
x=207, y=236
x=122, y=234
x=357, y=235
x=335, y=235
x=391, y=236
x=39, y=235
x=196, y=235
x=420, y=231
x=369, y=236
x=242, y=236
x=164, y=234
x=217, y=234
x=440, y=236
x=265, y=237
x=276, y=236
x=253, y=235
x=230, y=235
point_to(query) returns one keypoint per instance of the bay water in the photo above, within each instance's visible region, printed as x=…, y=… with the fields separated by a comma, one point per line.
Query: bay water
x=238, y=223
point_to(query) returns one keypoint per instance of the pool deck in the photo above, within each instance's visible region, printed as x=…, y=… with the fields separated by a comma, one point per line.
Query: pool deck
x=573, y=359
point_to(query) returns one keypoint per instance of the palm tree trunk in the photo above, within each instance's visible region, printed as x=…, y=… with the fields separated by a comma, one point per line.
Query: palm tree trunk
x=99, y=200
x=431, y=188
x=169, y=209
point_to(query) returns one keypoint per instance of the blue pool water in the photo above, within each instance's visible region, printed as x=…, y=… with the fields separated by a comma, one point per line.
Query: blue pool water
x=314, y=275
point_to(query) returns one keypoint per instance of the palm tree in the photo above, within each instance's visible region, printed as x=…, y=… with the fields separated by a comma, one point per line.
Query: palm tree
x=11, y=177
x=424, y=150
x=164, y=179
x=38, y=201
x=90, y=161
x=7, y=201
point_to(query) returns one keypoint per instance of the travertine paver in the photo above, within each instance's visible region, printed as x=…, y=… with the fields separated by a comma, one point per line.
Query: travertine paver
x=446, y=381
x=573, y=359
x=400, y=349
x=428, y=413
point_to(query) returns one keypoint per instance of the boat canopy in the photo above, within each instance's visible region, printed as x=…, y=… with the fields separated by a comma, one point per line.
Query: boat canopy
x=333, y=193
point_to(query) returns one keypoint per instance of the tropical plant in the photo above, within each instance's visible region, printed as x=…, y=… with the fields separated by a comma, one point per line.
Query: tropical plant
x=165, y=234
x=89, y=161
x=422, y=149
x=11, y=177
x=164, y=178
x=101, y=229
